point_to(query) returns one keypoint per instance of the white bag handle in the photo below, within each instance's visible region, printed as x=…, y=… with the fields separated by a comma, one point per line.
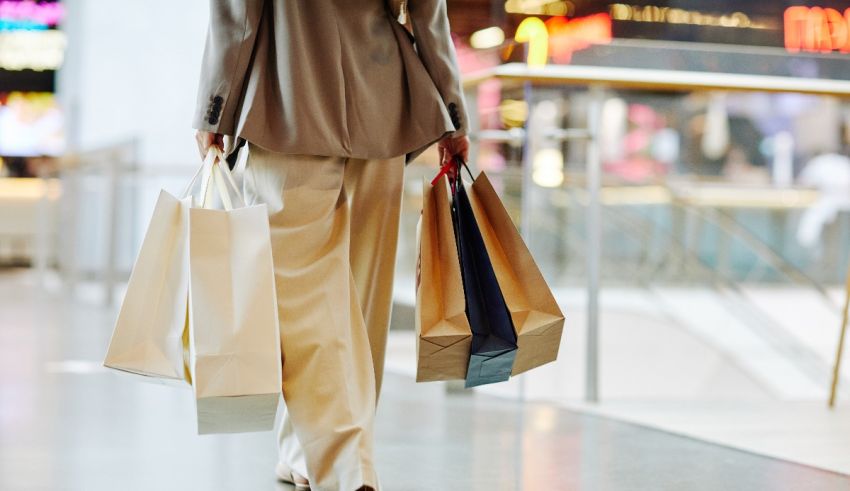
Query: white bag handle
x=224, y=168
x=213, y=167
x=192, y=181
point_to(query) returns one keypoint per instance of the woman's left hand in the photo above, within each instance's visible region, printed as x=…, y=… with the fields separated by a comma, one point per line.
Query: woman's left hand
x=449, y=147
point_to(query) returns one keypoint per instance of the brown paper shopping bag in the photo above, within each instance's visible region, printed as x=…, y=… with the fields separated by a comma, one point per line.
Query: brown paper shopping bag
x=443, y=335
x=149, y=333
x=235, y=341
x=537, y=318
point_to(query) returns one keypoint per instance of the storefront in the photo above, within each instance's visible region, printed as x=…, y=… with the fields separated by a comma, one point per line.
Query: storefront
x=718, y=171
x=32, y=128
x=657, y=135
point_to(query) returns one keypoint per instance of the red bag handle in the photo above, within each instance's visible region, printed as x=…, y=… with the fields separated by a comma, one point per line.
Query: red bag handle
x=452, y=170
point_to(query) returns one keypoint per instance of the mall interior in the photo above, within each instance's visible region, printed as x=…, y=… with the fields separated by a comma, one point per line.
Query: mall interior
x=679, y=169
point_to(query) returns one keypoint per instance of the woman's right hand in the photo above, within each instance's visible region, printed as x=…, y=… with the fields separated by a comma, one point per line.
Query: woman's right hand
x=205, y=140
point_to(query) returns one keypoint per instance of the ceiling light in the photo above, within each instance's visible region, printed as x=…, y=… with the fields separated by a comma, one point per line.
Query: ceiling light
x=487, y=38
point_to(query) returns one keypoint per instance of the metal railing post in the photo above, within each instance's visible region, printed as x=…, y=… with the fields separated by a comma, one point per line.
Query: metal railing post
x=594, y=243
x=43, y=226
x=112, y=202
x=836, y=368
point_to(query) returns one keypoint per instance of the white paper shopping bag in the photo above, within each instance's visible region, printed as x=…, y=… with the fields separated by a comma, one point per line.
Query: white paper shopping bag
x=235, y=341
x=148, y=339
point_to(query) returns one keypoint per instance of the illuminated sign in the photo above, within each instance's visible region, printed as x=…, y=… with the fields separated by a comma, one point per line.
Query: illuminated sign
x=817, y=29
x=567, y=36
x=31, y=123
x=539, y=7
x=560, y=37
x=533, y=31
x=34, y=50
x=49, y=14
x=668, y=15
x=21, y=25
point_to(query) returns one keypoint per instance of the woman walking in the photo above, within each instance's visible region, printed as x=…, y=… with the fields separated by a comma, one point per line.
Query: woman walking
x=332, y=97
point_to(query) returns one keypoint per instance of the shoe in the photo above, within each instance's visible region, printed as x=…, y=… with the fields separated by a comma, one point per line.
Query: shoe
x=369, y=488
x=287, y=475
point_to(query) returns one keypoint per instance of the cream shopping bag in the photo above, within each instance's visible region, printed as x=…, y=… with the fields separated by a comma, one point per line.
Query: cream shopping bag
x=235, y=341
x=443, y=335
x=149, y=335
x=537, y=318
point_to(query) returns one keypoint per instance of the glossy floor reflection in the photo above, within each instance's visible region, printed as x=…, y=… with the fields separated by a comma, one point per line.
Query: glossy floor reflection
x=66, y=424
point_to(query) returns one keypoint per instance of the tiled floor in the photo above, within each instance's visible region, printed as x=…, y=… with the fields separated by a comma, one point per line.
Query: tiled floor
x=750, y=371
x=66, y=424
x=803, y=432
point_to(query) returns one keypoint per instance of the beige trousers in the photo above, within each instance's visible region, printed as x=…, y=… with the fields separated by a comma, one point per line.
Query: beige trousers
x=334, y=230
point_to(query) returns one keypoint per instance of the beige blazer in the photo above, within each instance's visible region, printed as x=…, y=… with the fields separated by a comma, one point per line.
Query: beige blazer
x=330, y=77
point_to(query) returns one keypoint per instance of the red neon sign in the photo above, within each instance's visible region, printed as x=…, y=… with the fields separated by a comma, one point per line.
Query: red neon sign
x=817, y=29
x=560, y=37
x=566, y=36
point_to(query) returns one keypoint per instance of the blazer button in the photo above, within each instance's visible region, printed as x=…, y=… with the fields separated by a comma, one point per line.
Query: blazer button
x=218, y=99
x=213, y=120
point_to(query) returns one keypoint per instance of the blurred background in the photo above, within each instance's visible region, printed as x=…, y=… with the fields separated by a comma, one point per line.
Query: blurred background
x=678, y=168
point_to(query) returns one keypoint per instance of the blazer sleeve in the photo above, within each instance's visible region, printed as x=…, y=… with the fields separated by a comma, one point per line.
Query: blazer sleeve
x=434, y=44
x=230, y=42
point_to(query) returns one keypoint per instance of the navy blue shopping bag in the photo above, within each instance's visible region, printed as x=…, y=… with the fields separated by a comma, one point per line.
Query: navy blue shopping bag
x=494, y=340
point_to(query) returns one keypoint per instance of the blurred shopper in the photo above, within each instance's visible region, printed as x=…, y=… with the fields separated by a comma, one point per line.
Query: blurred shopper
x=331, y=97
x=829, y=173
